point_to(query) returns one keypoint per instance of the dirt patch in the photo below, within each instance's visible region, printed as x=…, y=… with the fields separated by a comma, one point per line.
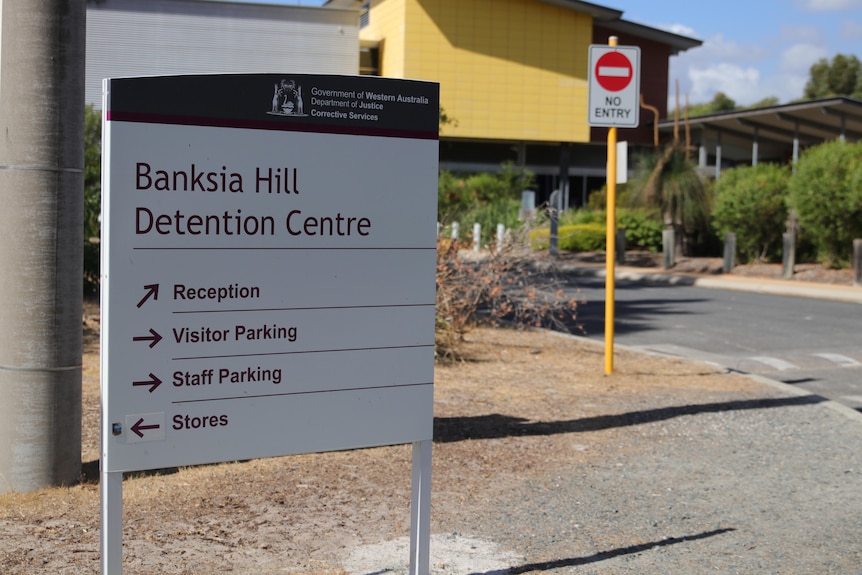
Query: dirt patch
x=524, y=404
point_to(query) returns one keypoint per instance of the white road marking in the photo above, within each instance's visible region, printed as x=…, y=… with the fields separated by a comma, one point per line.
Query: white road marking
x=774, y=362
x=841, y=360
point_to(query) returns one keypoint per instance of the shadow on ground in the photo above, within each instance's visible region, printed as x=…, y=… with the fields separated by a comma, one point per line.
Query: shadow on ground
x=496, y=426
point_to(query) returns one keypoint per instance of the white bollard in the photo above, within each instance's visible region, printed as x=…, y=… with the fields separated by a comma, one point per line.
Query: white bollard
x=501, y=234
x=477, y=236
x=455, y=230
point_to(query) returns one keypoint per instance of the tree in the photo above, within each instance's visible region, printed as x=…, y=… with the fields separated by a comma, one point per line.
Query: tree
x=751, y=203
x=765, y=102
x=671, y=183
x=840, y=77
x=826, y=192
x=721, y=102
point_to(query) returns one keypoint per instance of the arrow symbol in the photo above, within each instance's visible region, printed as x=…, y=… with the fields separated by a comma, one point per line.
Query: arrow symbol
x=139, y=429
x=153, y=339
x=153, y=382
x=152, y=291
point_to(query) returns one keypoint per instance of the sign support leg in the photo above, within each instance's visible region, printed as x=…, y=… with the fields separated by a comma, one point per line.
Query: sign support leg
x=111, y=534
x=420, y=509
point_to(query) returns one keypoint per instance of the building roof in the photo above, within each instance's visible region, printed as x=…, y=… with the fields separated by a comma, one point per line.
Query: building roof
x=676, y=42
x=775, y=127
x=609, y=18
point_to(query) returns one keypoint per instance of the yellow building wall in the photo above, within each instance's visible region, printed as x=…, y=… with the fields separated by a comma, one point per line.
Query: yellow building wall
x=508, y=69
x=386, y=26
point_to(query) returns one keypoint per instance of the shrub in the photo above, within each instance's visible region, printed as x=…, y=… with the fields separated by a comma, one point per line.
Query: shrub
x=582, y=238
x=502, y=211
x=493, y=289
x=573, y=238
x=459, y=195
x=826, y=192
x=643, y=229
x=582, y=216
x=584, y=231
x=751, y=202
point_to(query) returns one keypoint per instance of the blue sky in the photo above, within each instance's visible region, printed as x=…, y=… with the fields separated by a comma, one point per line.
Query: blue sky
x=752, y=49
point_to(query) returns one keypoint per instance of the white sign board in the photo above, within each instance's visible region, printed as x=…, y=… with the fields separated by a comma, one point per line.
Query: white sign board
x=268, y=266
x=614, y=86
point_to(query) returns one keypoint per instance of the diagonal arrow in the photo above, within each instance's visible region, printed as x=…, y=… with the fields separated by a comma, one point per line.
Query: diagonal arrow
x=153, y=339
x=153, y=382
x=139, y=429
x=152, y=291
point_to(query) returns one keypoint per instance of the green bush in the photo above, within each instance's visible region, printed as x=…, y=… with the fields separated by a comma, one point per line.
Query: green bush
x=751, y=203
x=488, y=215
x=643, y=226
x=826, y=192
x=582, y=238
x=643, y=229
x=582, y=216
x=458, y=195
x=572, y=238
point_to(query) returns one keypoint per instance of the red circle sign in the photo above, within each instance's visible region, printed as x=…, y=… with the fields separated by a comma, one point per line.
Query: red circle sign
x=613, y=71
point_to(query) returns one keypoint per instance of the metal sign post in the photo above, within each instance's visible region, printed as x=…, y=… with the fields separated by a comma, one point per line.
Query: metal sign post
x=268, y=273
x=614, y=101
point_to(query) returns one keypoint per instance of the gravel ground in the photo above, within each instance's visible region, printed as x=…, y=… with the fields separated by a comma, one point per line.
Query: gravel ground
x=740, y=487
x=764, y=482
x=737, y=491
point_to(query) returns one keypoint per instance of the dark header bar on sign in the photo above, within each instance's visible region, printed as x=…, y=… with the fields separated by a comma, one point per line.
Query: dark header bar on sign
x=362, y=105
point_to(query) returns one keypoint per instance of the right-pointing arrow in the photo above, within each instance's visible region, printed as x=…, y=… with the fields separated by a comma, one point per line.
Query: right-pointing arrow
x=154, y=338
x=139, y=429
x=153, y=382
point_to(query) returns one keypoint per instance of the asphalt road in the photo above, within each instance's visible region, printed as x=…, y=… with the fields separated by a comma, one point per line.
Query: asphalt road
x=810, y=343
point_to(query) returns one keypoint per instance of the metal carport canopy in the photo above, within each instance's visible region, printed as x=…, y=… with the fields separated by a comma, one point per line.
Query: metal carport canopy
x=771, y=131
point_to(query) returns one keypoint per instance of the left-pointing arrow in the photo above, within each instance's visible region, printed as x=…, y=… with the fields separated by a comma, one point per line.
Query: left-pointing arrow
x=139, y=429
x=153, y=382
x=153, y=338
x=152, y=292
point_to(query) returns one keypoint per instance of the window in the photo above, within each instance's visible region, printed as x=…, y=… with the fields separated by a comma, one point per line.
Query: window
x=365, y=15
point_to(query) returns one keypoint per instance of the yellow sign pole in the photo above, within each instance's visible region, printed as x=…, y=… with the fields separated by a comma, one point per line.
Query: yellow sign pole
x=610, y=242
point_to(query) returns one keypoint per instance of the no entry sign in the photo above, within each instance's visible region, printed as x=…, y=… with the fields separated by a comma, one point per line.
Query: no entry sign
x=614, y=86
x=614, y=71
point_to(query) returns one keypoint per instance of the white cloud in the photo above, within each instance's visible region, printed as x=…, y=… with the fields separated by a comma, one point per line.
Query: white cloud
x=719, y=65
x=680, y=29
x=828, y=5
x=851, y=30
x=800, y=57
x=739, y=83
x=720, y=49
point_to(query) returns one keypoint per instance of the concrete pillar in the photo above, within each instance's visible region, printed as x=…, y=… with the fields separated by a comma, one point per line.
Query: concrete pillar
x=565, y=161
x=754, y=146
x=668, y=242
x=718, y=156
x=729, y=252
x=795, y=145
x=857, y=262
x=42, y=46
x=554, y=212
x=788, y=254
